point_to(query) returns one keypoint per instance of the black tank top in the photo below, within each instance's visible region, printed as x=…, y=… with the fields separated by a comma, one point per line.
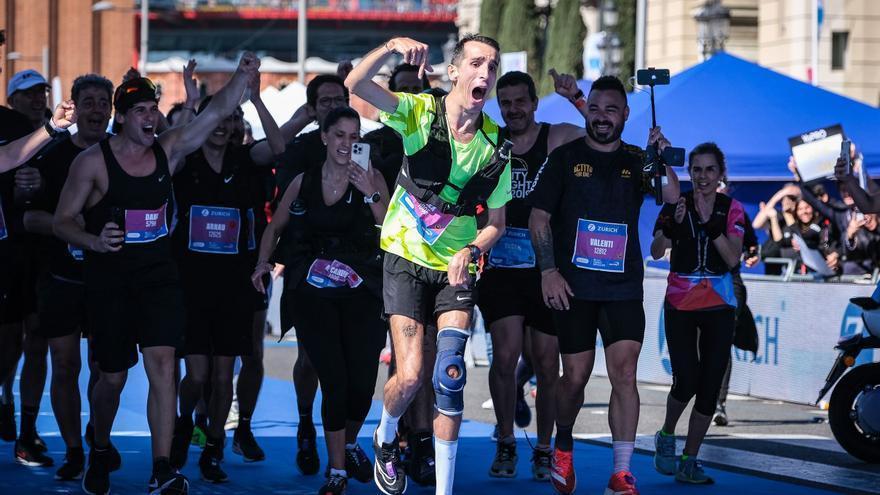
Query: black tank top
x=523, y=169
x=145, y=203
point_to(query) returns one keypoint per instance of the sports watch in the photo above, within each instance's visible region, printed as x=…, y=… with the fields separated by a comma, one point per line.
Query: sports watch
x=373, y=198
x=475, y=253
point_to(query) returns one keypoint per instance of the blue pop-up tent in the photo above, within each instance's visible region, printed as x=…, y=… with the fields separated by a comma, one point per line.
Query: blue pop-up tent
x=750, y=111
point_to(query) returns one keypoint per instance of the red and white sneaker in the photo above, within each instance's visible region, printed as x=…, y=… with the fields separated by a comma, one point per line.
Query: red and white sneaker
x=562, y=474
x=622, y=483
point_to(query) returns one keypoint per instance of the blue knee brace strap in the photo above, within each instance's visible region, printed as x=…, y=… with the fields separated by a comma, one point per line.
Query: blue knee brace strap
x=449, y=391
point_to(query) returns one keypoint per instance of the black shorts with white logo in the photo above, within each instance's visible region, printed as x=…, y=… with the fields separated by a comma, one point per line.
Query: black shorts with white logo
x=421, y=293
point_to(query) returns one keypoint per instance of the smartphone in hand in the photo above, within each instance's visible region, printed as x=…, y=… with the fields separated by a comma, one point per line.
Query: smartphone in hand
x=360, y=154
x=845, y=146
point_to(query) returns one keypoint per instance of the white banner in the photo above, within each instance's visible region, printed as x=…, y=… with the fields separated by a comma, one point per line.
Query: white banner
x=798, y=326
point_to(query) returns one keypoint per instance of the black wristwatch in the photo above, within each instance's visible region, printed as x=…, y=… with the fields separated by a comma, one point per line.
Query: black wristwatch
x=373, y=198
x=475, y=253
x=51, y=129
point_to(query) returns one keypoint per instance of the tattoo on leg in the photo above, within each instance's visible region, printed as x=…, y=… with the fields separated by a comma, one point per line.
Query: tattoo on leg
x=410, y=330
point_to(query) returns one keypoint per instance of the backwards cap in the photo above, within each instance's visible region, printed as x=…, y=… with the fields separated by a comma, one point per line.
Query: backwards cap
x=132, y=92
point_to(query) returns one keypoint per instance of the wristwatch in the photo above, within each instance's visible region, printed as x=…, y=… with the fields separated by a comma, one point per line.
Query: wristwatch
x=475, y=253
x=51, y=129
x=373, y=198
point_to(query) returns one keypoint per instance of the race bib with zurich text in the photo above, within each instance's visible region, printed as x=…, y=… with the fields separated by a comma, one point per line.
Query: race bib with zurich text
x=600, y=246
x=430, y=221
x=327, y=274
x=513, y=250
x=214, y=229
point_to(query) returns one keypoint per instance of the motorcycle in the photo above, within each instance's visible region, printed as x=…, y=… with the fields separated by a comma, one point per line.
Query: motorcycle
x=854, y=407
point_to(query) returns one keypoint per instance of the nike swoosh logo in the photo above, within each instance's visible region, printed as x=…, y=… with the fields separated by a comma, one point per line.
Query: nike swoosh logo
x=227, y=180
x=459, y=298
x=161, y=178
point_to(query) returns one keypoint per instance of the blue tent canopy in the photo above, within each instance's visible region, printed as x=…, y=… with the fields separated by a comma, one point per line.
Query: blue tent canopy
x=750, y=111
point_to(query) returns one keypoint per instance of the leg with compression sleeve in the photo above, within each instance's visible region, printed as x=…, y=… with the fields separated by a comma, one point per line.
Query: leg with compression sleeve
x=450, y=374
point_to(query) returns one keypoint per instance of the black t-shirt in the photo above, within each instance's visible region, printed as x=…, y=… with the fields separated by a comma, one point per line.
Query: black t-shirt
x=523, y=171
x=211, y=207
x=13, y=125
x=603, y=193
x=54, y=162
x=305, y=151
x=386, y=153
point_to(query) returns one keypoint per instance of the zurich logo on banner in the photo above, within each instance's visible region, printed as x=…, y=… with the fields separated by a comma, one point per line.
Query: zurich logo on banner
x=661, y=339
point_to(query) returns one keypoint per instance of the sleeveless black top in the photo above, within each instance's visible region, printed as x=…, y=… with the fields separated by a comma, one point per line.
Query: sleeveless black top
x=523, y=170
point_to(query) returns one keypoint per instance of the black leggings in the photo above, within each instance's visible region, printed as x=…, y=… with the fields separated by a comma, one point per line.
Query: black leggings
x=699, y=350
x=343, y=337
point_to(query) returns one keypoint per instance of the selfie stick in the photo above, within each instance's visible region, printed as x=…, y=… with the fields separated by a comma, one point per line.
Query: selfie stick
x=656, y=165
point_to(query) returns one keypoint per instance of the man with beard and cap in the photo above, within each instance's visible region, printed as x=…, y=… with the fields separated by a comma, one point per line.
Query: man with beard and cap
x=61, y=293
x=593, y=189
x=21, y=143
x=123, y=189
x=454, y=163
x=510, y=285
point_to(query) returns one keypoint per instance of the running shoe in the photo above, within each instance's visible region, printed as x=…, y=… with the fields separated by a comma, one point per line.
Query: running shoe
x=96, y=479
x=720, y=417
x=28, y=454
x=209, y=465
x=199, y=437
x=690, y=470
x=622, y=483
x=183, y=432
x=541, y=461
x=664, y=453
x=307, y=460
x=388, y=472
x=114, y=460
x=504, y=464
x=8, y=432
x=562, y=474
x=167, y=481
x=421, y=465
x=245, y=445
x=74, y=464
x=335, y=485
x=522, y=414
x=357, y=464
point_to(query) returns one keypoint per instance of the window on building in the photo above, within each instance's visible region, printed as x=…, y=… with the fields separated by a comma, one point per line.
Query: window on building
x=839, y=42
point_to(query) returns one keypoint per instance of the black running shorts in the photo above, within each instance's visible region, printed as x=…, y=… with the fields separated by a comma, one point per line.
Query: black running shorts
x=421, y=293
x=61, y=305
x=514, y=292
x=614, y=320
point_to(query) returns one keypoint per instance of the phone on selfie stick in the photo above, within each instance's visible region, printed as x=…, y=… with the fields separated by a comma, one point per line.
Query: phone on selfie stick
x=845, y=147
x=655, y=161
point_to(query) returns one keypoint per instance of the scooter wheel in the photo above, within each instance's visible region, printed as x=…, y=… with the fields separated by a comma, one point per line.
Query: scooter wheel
x=841, y=413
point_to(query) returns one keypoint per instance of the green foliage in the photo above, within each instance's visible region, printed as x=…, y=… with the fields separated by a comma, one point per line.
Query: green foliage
x=565, y=43
x=626, y=31
x=519, y=31
x=490, y=17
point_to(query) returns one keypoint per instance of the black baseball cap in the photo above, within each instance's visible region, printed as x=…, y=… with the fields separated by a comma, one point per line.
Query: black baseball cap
x=132, y=92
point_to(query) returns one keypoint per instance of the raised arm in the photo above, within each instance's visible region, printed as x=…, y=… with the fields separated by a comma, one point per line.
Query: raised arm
x=23, y=149
x=264, y=152
x=360, y=79
x=191, y=86
x=181, y=141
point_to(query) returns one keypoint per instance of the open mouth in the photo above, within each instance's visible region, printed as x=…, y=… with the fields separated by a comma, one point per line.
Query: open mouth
x=148, y=130
x=602, y=127
x=478, y=93
x=343, y=152
x=219, y=133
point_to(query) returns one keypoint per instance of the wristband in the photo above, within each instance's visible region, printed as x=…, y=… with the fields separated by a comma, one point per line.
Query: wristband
x=580, y=102
x=578, y=96
x=52, y=129
x=475, y=252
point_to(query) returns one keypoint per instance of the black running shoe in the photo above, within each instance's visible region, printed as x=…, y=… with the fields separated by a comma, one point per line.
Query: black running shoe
x=96, y=479
x=28, y=454
x=167, y=481
x=541, y=464
x=183, y=432
x=504, y=464
x=245, y=445
x=720, y=417
x=388, y=472
x=114, y=460
x=335, y=485
x=74, y=464
x=8, y=432
x=421, y=466
x=307, y=460
x=357, y=464
x=523, y=414
x=209, y=466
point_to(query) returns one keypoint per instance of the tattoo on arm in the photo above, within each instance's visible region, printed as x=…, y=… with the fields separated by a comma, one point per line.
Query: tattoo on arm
x=410, y=330
x=543, y=244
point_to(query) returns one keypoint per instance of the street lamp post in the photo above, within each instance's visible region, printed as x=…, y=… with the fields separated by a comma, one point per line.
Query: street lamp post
x=713, y=27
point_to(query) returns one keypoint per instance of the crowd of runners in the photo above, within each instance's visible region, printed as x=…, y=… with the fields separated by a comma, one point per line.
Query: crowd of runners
x=158, y=237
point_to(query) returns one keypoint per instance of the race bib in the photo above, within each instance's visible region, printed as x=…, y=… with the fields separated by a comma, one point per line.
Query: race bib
x=325, y=274
x=214, y=229
x=252, y=236
x=143, y=226
x=75, y=252
x=600, y=246
x=4, y=233
x=430, y=221
x=513, y=250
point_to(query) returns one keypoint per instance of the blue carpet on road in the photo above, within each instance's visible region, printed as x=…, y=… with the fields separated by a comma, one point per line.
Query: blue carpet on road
x=274, y=425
